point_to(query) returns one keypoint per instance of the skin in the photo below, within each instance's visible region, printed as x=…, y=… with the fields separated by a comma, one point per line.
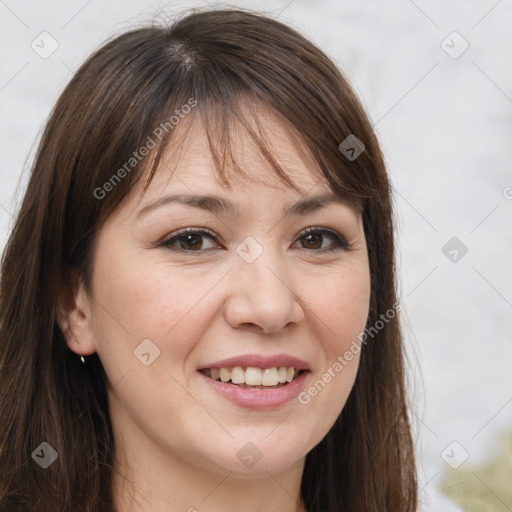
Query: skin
x=176, y=439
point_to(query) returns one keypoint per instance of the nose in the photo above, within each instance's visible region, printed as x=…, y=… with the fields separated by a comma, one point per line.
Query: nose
x=263, y=295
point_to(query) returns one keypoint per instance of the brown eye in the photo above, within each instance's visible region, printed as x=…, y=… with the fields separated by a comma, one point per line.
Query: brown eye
x=314, y=238
x=313, y=241
x=188, y=240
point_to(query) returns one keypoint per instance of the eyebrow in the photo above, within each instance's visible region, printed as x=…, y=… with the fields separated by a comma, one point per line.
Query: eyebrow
x=220, y=205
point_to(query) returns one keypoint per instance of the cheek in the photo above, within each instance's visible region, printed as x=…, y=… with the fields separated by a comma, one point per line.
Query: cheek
x=342, y=305
x=146, y=303
x=339, y=309
x=155, y=302
x=172, y=310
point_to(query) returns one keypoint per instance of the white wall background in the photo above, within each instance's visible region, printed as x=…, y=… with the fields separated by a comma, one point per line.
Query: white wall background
x=445, y=124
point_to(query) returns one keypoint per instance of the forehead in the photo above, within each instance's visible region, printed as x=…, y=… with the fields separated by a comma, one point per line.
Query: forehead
x=196, y=153
x=197, y=158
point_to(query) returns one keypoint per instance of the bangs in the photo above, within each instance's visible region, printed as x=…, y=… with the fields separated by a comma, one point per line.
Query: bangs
x=224, y=125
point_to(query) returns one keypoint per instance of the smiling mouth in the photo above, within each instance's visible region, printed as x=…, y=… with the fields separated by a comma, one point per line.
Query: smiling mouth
x=251, y=377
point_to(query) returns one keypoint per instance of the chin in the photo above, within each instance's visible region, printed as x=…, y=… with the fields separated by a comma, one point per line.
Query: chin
x=254, y=457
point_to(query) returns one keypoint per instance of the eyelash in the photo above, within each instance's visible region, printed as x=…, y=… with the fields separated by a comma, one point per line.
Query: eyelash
x=340, y=242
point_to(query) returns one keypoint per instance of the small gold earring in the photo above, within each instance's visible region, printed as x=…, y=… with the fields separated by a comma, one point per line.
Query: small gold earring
x=82, y=359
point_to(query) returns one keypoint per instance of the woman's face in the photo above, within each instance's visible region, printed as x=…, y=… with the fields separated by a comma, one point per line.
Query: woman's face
x=246, y=290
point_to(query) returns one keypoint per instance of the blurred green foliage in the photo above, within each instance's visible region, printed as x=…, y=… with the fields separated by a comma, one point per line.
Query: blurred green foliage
x=487, y=488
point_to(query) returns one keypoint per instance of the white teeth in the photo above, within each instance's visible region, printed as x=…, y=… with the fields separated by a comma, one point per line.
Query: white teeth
x=237, y=375
x=270, y=377
x=253, y=376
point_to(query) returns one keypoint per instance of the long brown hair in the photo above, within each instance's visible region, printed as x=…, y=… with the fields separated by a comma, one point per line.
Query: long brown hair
x=116, y=100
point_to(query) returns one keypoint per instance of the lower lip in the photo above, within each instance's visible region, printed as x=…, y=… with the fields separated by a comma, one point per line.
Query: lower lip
x=258, y=398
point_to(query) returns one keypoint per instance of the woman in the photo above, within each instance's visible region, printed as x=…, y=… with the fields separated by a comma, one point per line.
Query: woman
x=198, y=308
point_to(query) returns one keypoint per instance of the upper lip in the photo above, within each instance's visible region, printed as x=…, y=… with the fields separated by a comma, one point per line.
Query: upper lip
x=259, y=361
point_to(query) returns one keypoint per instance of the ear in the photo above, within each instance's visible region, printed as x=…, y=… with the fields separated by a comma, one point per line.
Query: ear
x=73, y=314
